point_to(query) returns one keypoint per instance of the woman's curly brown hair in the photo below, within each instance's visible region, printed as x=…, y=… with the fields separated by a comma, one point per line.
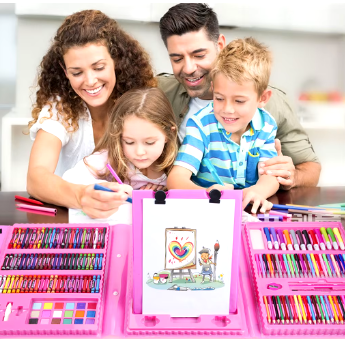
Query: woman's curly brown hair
x=132, y=70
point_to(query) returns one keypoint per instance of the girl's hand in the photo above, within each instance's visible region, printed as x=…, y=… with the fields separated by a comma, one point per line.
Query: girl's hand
x=220, y=187
x=252, y=194
x=101, y=204
x=153, y=187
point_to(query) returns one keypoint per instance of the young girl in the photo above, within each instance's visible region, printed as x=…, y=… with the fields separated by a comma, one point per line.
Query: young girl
x=140, y=143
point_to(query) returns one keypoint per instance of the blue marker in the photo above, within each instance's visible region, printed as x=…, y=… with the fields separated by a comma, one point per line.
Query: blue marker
x=80, y=236
x=100, y=261
x=52, y=238
x=213, y=171
x=98, y=282
x=96, y=263
x=59, y=261
x=275, y=239
x=93, y=284
x=102, y=188
x=75, y=240
x=268, y=236
x=34, y=262
x=23, y=242
x=342, y=262
x=311, y=265
x=311, y=309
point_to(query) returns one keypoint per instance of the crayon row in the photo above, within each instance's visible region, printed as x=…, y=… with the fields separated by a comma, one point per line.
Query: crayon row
x=299, y=309
x=49, y=284
x=46, y=237
x=55, y=261
x=300, y=265
x=312, y=239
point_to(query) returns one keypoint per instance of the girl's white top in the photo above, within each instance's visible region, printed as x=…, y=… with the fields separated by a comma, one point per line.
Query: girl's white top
x=86, y=174
x=75, y=145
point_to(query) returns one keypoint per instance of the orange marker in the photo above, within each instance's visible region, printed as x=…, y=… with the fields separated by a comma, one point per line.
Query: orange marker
x=16, y=241
x=19, y=285
x=288, y=240
x=270, y=265
x=336, y=305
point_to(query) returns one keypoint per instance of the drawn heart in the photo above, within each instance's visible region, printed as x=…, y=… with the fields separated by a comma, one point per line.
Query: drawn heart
x=180, y=252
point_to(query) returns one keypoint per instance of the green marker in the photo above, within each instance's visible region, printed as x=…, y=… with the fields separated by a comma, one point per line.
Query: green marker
x=331, y=234
x=92, y=261
x=290, y=264
x=76, y=261
x=84, y=262
x=328, y=268
x=321, y=311
x=83, y=239
x=88, y=261
x=295, y=265
x=280, y=307
x=47, y=240
x=324, y=233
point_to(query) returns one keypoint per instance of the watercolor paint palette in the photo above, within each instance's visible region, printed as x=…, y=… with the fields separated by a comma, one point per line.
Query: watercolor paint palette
x=296, y=296
x=63, y=312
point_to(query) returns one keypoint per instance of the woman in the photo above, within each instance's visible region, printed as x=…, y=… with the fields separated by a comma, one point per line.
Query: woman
x=90, y=64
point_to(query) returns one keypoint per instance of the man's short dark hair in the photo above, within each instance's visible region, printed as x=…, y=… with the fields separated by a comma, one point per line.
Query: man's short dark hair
x=184, y=18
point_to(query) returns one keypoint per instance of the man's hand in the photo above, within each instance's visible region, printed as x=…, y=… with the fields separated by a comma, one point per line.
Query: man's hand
x=281, y=167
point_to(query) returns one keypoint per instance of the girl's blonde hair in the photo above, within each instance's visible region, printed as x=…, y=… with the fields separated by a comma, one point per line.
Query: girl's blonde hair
x=150, y=104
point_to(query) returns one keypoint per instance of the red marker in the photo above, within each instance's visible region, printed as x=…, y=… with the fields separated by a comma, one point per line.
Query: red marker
x=313, y=238
x=18, y=197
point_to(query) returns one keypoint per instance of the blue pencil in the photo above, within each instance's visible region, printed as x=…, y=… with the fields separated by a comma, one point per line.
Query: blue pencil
x=213, y=171
x=106, y=189
x=284, y=207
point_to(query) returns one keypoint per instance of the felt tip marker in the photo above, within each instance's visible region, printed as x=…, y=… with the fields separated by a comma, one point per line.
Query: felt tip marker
x=320, y=239
x=313, y=238
x=275, y=239
x=288, y=240
x=331, y=236
x=281, y=239
x=340, y=240
x=307, y=239
x=268, y=236
x=294, y=239
x=324, y=233
x=106, y=189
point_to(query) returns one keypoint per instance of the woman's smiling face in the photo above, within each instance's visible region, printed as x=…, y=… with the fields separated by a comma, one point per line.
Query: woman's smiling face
x=91, y=72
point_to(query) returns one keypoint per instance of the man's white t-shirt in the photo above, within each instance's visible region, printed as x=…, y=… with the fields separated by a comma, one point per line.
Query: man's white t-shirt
x=195, y=105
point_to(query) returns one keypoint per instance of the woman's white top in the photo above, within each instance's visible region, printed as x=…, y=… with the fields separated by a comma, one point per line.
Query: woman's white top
x=75, y=145
x=86, y=174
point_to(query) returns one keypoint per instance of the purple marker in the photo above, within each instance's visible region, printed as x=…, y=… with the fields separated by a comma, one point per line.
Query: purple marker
x=281, y=239
x=262, y=266
x=320, y=239
x=275, y=239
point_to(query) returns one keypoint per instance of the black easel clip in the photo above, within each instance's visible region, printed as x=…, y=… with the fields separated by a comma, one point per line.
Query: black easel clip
x=160, y=197
x=215, y=196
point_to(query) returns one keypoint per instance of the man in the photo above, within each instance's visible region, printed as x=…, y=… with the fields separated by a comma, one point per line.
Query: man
x=191, y=34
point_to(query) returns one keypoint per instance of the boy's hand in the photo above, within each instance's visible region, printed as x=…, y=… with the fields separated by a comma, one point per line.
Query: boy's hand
x=252, y=194
x=220, y=187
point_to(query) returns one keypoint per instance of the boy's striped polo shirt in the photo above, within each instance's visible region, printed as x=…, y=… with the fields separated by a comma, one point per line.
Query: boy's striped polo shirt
x=235, y=164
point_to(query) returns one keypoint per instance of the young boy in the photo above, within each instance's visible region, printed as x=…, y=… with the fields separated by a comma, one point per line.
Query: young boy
x=234, y=132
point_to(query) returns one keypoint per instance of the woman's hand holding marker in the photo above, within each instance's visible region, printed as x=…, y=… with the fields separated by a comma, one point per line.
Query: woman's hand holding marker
x=100, y=204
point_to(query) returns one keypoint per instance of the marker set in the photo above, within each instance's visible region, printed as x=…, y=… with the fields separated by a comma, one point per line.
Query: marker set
x=297, y=286
x=304, y=309
x=300, y=265
x=53, y=261
x=49, y=284
x=62, y=286
x=317, y=238
x=57, y=237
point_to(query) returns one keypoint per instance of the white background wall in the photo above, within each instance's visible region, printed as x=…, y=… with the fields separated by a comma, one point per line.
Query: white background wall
x=306, y=57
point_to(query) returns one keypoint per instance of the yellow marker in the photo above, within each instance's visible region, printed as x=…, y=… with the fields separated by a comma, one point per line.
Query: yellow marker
x=315, y=265
x=297, y=308
x=335, y=264
x=41, y=235
x=340, y=240
x=302, y=308
x=10, y=286
x=6, y=283
x=334, y=310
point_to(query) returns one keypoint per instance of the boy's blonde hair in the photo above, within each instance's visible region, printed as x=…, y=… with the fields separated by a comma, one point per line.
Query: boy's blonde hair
x=245, y=60
x=149, y=104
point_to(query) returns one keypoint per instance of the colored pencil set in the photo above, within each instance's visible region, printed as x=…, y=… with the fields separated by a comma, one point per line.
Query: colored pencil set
x=50, y=284
x=54, y=261
x=304, y=239
x=304, y=309
x=300, y=265
x=57, y=237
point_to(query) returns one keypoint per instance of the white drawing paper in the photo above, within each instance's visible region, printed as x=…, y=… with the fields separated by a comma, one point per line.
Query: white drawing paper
x=202, y=284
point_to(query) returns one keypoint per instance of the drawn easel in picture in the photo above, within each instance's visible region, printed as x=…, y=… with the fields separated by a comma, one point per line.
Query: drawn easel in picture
x=180, y=252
